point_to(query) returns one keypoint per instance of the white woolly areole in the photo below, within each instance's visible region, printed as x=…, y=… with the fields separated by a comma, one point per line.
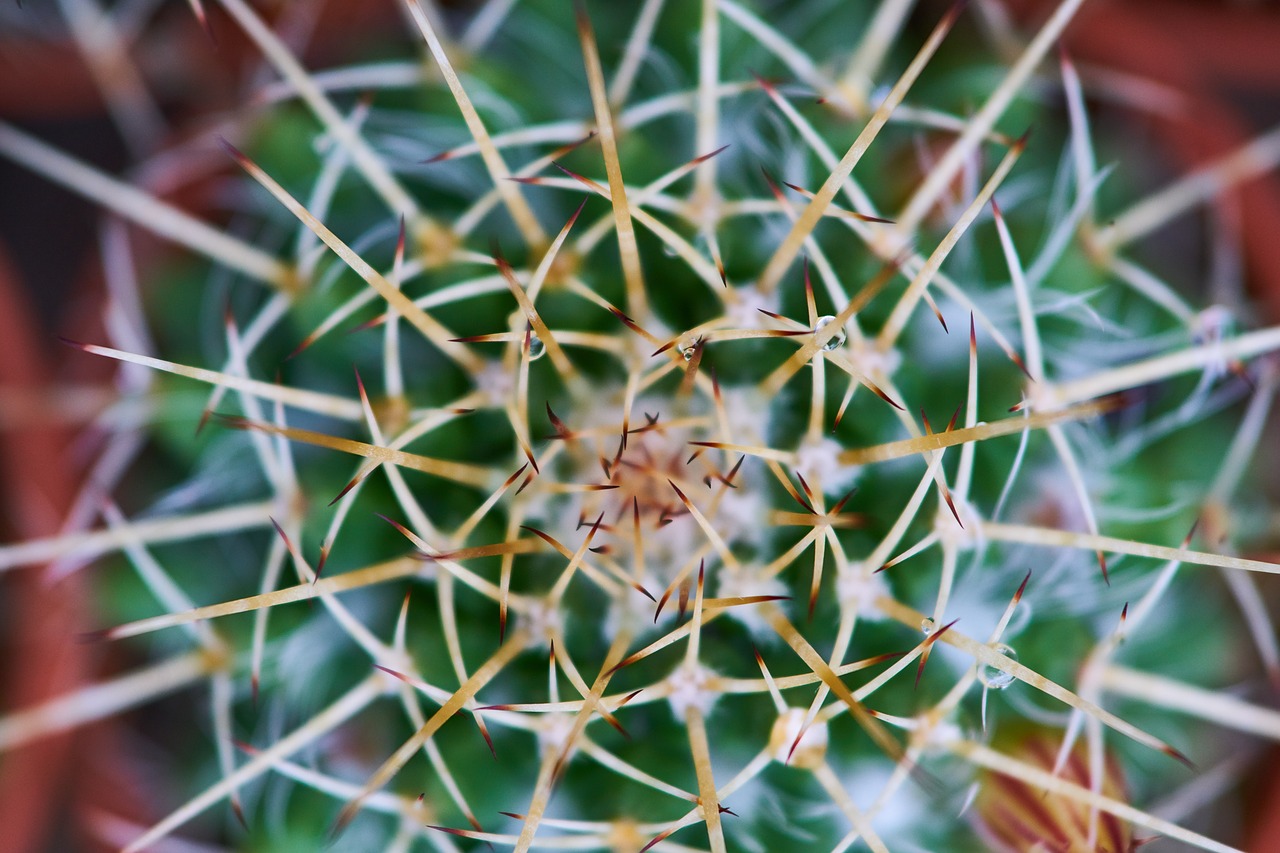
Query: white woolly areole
x=1052, y=504
x=554, y=734
x=944, y=523
x=543, y=622
x=689, y=690
x=820, y=463
x=940, y=733
x=1210, y=329
x=496, y=383
x=632, y=612
x=1039, y=397
x=877, y=365
x=743, y=583
x=747, y=410
x=744, y=312
x=812, y=746
x=858, y=587
x=667, y=548
x=741, y=514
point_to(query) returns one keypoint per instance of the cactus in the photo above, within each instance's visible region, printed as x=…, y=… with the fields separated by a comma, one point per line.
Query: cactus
x=717, y=367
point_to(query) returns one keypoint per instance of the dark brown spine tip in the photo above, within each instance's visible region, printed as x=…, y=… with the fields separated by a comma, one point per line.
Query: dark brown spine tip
x=773, y=186
x=298, y=350
x=762, y=82
x=400, y=239
x=660, y=837
x=1179, y=757
x=204, y=421
x=280, y=530
x=952, y=506
x=231, y=421
x=883, y=395
x=953, y=14
x=702, y=158
x=1192, y=532
x=840, y=504
x=1064, y=58
x=341, y=823
x=1021, y=365
x=941, y=320
x=627, y=661
x=488, y=739
x=368, y=324
x=101, y=635
x=936, y=635
x=536, y=532
x=345, y=489
x=393, y=672
x=324, y=558
x=1017, y=596
x=205, y=24
x=73, y=343
x=1122, y=400
x=678, y=492
x=577, y=212
x=571, y=174
x=232, y=151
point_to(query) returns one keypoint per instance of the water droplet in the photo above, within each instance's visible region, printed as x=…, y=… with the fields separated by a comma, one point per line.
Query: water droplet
x=669, y=251
x=993, y=678
x=927, y=626
x=537, y=349
x=687, y=347
x=837, y=340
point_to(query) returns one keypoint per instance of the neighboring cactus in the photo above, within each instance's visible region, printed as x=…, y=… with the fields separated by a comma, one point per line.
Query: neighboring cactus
x=696, y=483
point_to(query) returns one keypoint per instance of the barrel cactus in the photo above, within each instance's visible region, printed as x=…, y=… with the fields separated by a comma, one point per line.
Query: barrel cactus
x=702, y=425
